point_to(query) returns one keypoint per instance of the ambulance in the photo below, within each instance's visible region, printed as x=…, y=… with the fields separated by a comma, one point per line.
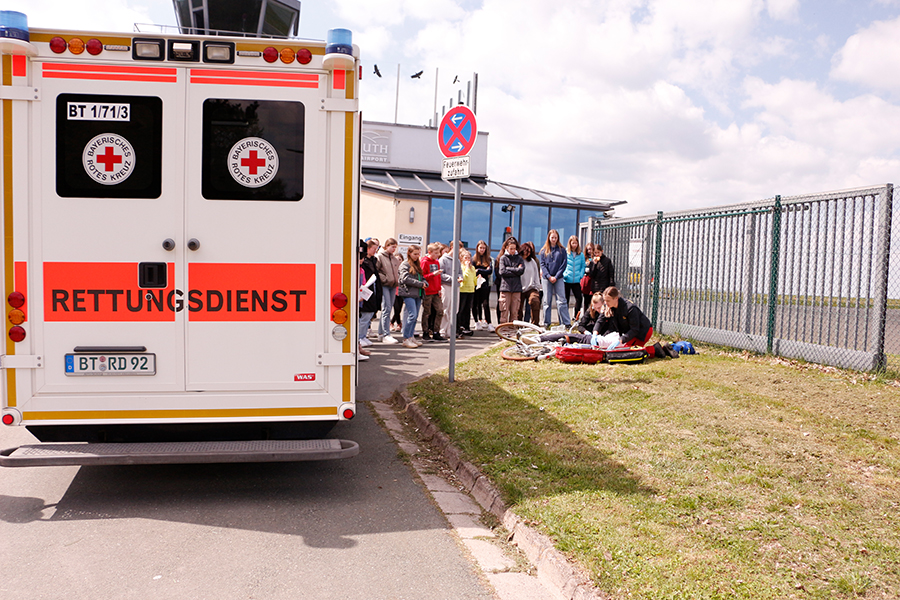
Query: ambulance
x=179, y=258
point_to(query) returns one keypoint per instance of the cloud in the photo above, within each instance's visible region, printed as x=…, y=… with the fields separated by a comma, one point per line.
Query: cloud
x=103, y=15
x=390, y=13
x=782, y=10
x=871, y=57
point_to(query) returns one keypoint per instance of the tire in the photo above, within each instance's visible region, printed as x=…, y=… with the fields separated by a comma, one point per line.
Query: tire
x=510, y=331
x=516, y=353
x=507, y=331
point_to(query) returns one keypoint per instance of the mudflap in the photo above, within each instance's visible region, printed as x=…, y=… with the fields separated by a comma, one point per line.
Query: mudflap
x=154, y=453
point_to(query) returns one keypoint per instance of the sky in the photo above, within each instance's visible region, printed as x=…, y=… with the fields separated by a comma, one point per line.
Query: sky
x=666, y=104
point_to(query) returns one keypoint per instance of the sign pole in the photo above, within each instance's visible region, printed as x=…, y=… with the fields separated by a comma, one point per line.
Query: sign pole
x=454, y=295
x=456, y=136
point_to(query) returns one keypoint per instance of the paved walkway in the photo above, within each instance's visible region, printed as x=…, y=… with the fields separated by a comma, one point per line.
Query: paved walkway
x=389, y=369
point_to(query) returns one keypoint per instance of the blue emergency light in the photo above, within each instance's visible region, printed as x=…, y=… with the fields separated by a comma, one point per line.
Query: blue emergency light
x=338, y=50
x=13, y=24
x=339, y=41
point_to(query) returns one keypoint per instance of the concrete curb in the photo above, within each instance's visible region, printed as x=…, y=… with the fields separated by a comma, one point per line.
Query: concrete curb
x=553, y=569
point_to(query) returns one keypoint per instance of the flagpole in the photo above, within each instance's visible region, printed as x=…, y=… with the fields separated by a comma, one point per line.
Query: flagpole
x=397, y=97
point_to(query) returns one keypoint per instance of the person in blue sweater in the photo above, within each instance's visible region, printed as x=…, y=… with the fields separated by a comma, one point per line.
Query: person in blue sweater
x=574, y=272
x=553, y=265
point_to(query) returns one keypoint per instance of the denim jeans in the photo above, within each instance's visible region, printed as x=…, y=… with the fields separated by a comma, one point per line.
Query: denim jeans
x=412, y=313
x=365, y=319
x=557, y=289
x=387, y=304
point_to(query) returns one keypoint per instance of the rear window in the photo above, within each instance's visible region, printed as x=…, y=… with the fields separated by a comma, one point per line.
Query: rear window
x=108, y=146
x=252, y=150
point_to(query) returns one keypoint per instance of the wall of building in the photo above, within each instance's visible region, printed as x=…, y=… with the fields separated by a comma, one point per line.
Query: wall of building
x=414, y=148
x=382, y=216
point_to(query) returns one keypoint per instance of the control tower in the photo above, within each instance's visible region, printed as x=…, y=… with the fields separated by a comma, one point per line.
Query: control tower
x=256, y=18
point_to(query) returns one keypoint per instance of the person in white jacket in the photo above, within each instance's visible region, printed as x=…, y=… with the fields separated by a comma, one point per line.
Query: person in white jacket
x=446, y=261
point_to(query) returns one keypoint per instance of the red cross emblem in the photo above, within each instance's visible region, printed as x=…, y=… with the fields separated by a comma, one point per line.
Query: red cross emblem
x=109, y=159
x=252, y=162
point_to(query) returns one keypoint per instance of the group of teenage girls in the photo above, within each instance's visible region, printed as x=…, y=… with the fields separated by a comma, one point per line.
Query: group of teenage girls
x=526, y=280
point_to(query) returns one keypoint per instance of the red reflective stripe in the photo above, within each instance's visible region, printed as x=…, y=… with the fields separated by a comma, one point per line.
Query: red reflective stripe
x=18, y=65
x=255, y=75
x=340, y=80
x=109, y=69
x=224, y=81
x=109, y=73
x=109, y=77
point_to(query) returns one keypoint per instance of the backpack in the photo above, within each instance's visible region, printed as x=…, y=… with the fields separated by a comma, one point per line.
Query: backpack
x=580, y=354
x=586, y=285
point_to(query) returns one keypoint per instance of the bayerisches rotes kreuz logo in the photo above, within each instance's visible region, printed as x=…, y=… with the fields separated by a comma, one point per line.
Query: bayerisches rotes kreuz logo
x=108, y=159
x=253, y=162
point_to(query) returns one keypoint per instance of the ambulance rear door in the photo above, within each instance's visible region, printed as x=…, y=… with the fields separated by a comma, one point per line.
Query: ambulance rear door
x=259, y=230
x=106, y=198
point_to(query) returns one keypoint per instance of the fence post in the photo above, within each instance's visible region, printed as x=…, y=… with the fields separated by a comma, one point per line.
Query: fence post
x=881, y=260
x=773, y=273
x=656, y=269
x=749, y=274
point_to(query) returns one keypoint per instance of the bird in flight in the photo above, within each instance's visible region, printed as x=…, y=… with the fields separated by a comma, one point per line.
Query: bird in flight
x=377, y=72
x=417, y=75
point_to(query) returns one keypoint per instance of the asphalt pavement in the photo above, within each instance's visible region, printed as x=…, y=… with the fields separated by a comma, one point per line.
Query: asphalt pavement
x=362, y=527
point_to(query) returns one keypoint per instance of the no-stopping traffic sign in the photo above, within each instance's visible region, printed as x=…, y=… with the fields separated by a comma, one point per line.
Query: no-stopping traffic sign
x=457, y=132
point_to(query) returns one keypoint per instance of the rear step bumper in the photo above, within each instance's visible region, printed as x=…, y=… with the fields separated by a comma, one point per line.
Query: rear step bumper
x=54, y=455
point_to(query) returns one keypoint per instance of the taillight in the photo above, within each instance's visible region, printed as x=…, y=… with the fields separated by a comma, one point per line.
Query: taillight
x=287, y=56
x=348, y=413
x=8, y=419
x=339, y=315
x=16, y=316
x=304, y=56
x=94, y=46
x=76, y=46
x=58, y=45
x=16, y=299
x=270, y=54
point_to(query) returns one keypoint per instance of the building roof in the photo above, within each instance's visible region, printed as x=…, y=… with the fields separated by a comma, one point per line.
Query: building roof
x=412, y=184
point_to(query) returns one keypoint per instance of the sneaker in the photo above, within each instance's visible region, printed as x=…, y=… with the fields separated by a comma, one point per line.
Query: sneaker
x=658, y=351
x=418, y=343
x=379, y=338
x=669, y=351
x=491, y=327
x=395, y=328
x=438, y=338
x=361, y=357
x=468, y=332
x=388, y=339
x=365, y=342
x=364, y=352
x=410, y=343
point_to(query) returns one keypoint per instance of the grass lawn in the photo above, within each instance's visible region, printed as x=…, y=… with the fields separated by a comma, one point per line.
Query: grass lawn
x=718, y=475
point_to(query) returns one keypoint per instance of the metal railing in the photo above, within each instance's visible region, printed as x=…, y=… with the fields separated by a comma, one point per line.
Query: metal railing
x=803, y=277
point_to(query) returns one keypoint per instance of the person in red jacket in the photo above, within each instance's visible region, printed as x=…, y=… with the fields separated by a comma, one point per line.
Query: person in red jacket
x=432, y=306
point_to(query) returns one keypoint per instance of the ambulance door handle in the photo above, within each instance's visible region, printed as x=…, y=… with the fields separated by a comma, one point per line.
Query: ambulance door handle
x=168, y=244
x=194, y=244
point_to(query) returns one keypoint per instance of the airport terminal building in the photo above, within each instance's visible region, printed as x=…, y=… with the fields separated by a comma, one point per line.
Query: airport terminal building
x=404, y=197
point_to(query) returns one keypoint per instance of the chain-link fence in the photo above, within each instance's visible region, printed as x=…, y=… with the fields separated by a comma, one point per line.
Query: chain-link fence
x=803, y=277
